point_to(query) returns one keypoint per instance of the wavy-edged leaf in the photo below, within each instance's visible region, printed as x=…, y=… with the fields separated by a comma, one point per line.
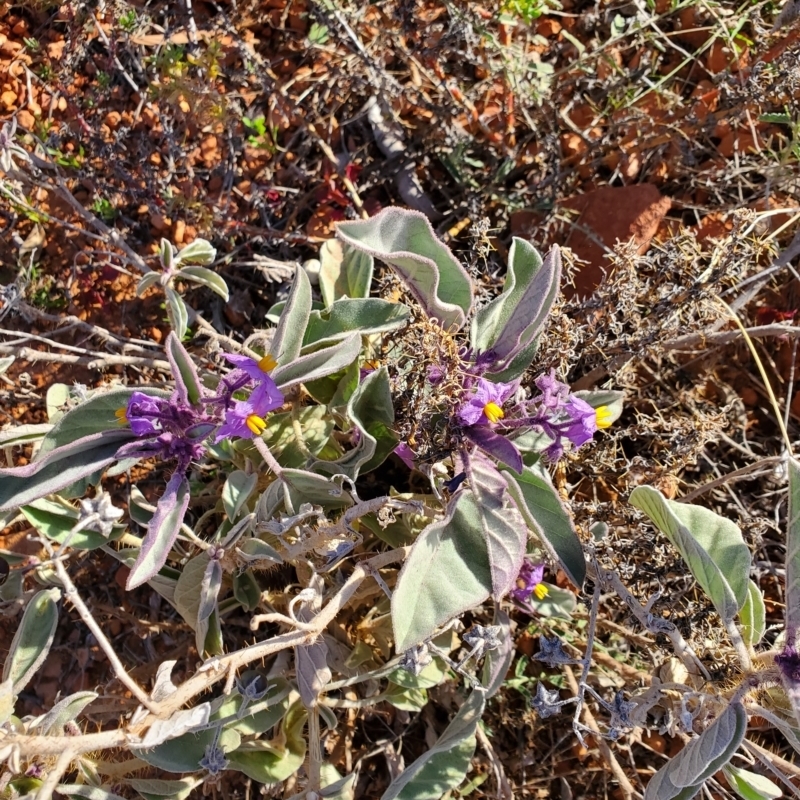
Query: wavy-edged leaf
x=753, y=615
x=546, y=516
x=406, y=241
x=188, y=589
x=497, y=446
x=318, y=364
x=443, y=766
x=446, y=573
x=711, y=545
x=367, y=316
x=236, y=492
x=156, y=789
x=288, y=339
x=514, y=319
x=205, y=277
x=502, y=524
x=162, y=531
x=177, y=312
x=31, y=642
x=682, y=777
x=24, y=434
x=187, y=381
x=344, y=272
x=300, y=486
x=257, y=718
x=372, y=412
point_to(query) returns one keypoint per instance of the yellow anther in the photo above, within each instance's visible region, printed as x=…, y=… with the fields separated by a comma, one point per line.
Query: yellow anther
x=256, y=424
x=493, y=412
x=540, y=590
x=267, y=364
x=122, y=416
x=603, y=417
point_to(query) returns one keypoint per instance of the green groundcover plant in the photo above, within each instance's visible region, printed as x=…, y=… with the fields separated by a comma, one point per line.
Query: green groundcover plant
x=263, y=452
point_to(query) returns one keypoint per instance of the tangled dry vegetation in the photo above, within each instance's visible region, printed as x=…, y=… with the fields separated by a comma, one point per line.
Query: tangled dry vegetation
x=258, y=125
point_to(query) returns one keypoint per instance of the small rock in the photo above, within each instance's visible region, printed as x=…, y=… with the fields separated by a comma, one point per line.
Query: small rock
x=178, y=231
x=159, y=222
x=25, y=119
x=112, y=119
x=573, y=146
x=548, y=27
x=8, y=99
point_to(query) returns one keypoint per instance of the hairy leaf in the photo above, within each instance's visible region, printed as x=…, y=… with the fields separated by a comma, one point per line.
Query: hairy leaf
x=753, y=616
x=56, y=520
x=65, y=711
x=512, y=321
x=502, y=524
x=288, y=339
x=498, y=661
x=682, y=777
x=198, y=252
x=371, y=411
x=367, y=316
x=156, y=789
x=548, y=519
x=236, y=492
x=274, y=761
x=184, y=752
x=58, y=469
x=406, y=241
x=31, y=642
x=495, y=445
x=750, y=785
x=318, y=364
x=177, y=312
x=205, y=277
x=162, y=531
x=88, y=791
x=301, y=487
x=444, y=765
x=188, y=589
x=446, y=573
x=793, y=555
x=344, y=272
x=711, y=545
x=187, y=381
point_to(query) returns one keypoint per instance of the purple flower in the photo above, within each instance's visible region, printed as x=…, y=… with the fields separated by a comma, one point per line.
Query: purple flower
x=788, y=661
x=405, y=454
x=246, y=418
x=529, y=582
x=257, y=370
x=143, y=412
x=484, y=407
x=554, y=393
x=435, y=374
x=584, y=421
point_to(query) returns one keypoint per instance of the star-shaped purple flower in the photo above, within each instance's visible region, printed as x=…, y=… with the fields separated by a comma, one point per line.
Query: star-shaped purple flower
x=246, y=418
x=484, y=407
x=584, y=421
x=530, y=576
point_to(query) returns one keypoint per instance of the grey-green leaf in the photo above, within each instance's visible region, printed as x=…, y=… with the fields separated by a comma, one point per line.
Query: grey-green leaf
x=446, y=573
x=318, y=364
x=146, y=281
x=31, y=642
x=177, y=312
x=344, y=272
x=156, y=789
x=753, y=615
x=288, y=339
x=205, y=277
x=512, y=321
x=198, y=252
x=236, y=492
x=405, y=240
x=443, y=766
x=793, y=553
x=367, y=316
x=711, y=545
x=548, y=519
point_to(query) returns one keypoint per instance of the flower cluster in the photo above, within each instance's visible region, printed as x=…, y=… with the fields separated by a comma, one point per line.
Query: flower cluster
x=561, y=416
x=173, y=428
